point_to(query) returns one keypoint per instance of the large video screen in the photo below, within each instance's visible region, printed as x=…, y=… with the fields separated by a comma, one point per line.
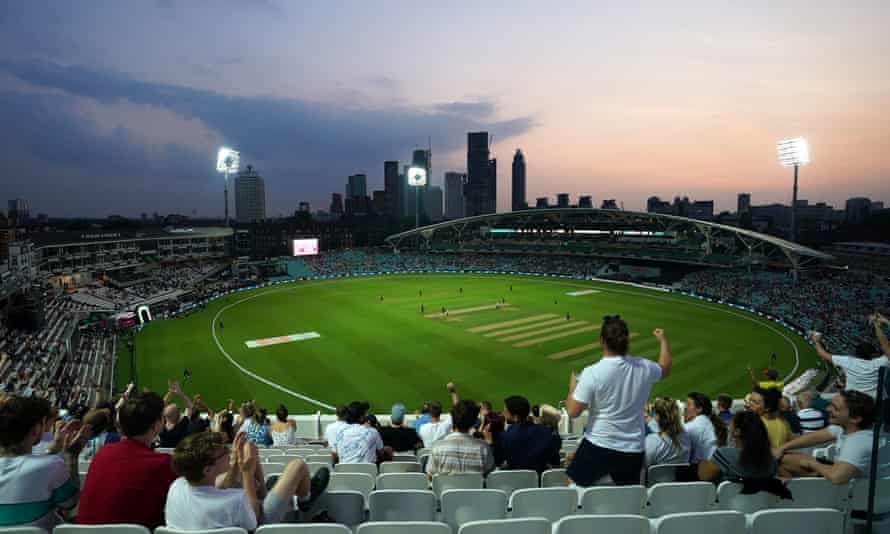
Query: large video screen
x=305, y=247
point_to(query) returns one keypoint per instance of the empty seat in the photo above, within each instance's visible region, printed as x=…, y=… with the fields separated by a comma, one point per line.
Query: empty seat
x=402, y=505
x=614, y=500
x=368, y=469
x=303, y=451
x=461, y=506
x=858, y=504
x=552, y=503
x=400, y=467
x=273, y=469
x=510, y=481
x=403, y=481
x=226, y=530
x=346, y=507
x=315, y=466
x=680, y=497
x=324, y=458
x=554, y=478
x=664, y=473
x=814, y=493
x=304, y=528
x=810, y=521
x=730, y=497
x=723, y=522
x=403, y=527
x=22, y=530
x=612, y=524
x=404, y=457
x=527, y=525
x=360, y=482
x=456, y=481
x=278, y=459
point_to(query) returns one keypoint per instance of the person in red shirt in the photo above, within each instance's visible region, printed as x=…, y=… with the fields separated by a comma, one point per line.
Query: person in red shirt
x=127, y=482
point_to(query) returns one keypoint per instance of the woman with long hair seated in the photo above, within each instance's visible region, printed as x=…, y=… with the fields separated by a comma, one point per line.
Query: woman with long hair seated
x=750, y=459
x=671, y=444
x=283, y=430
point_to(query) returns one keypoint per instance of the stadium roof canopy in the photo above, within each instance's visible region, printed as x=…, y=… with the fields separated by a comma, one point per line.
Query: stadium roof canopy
x=610, y=234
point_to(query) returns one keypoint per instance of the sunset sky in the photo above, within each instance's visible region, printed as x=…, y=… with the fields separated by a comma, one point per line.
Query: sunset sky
x=119, y=106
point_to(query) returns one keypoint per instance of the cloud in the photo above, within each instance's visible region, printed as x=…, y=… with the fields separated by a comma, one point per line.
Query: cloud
x=304, y=149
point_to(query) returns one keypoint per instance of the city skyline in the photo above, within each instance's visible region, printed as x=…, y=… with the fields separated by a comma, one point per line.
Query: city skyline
x=622, y=102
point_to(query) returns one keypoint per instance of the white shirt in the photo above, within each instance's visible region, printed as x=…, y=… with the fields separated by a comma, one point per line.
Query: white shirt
x=205, y=507
x=703, y=439
x=358, y=444
x=661, y=450
x=862, y=375
x=855, y=448
x=615, y=390
x=330, y=433
x=433, y=432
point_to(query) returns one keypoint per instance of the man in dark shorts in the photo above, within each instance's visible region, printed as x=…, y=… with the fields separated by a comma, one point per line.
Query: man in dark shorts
x=615, y=389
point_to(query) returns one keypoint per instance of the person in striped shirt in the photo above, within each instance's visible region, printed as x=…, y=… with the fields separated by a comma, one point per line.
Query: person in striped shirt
x=811, y=419
x=460, y=452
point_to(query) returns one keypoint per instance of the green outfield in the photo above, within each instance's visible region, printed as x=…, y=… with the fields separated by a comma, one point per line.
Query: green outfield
x=386, y=350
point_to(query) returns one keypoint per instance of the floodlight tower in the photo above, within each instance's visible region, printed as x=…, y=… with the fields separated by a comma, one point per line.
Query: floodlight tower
x=416, y=179
x=227, y=161
x=793, y=153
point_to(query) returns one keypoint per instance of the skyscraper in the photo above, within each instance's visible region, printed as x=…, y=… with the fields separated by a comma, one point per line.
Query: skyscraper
x=357, y=186
x=481, y=188
x=19, y=210
x=562, y=200
x=250, y=196
x=744, y=203
x=336, y=204
x=585, y=202
x=433, y=202
x=454, y=194
x=392, y=189
x=519, y=181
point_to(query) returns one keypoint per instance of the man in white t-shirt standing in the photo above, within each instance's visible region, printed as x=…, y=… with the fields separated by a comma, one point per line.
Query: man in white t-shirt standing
x=852, y=416
x=615, y=390
x=436, y=429
x=862, y=368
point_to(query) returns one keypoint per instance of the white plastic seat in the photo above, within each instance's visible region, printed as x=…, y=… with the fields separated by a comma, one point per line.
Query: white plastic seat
x=723, y=522
x=729, y=497
x=22, y=530
x=656, y=474
x=360, y=482
x=443, y=483
x=400, y=467
x=403, y=481
x=322, y=458
x=680, y=497
x=368, y=469
x=346, y=507
x=527, y=525
x=611, y=500
x=226, y=530
x=273, y=469
x=858, y=504
x=814, y=493
x=165, y=450
x=510, y=481
x=278, y=459
x=304, y=528
x=315, y=466
x=551, y=503
x=809, y=521
x=612, y=524
x=403, y=527
x=303, y=451
x=402, y=505
x=404, y=457
x=461, y=506
x=554, y=478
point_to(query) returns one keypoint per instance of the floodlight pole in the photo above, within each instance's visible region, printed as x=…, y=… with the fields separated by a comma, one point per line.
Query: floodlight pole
x=226, y=194
x=416, y=206
x=794, y=207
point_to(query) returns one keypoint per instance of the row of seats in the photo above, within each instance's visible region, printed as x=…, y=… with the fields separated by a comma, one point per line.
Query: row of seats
x=815, y=521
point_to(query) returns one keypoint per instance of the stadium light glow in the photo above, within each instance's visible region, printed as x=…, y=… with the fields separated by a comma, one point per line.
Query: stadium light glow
x=416, y=176
x=227, y=160
x=793, y=152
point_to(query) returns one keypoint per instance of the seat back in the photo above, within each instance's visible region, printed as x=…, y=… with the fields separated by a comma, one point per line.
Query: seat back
x=404, y=457
x=461, y=506
x=403, y=481
x=663, y=473
x=510, y=481
x=610, y=500
x=360, y=482
x=274, y=468
x=403, y=527
x=278, y=459
x=368, y=469
x=402, y=505
x=680, y=497
x=527, y=525
x=613, y=524
x=226, y=530
x=552, y=503
x=304, y=528
x=315, y=466
x=723, y=522
x=322, y=458
x=554, y=478
x=22, y=530
x=814, y=493
x=400, y=467
x=730, y=497
x=100, y=529
x=347, y=507
x=810, y=521
x=456, y=481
